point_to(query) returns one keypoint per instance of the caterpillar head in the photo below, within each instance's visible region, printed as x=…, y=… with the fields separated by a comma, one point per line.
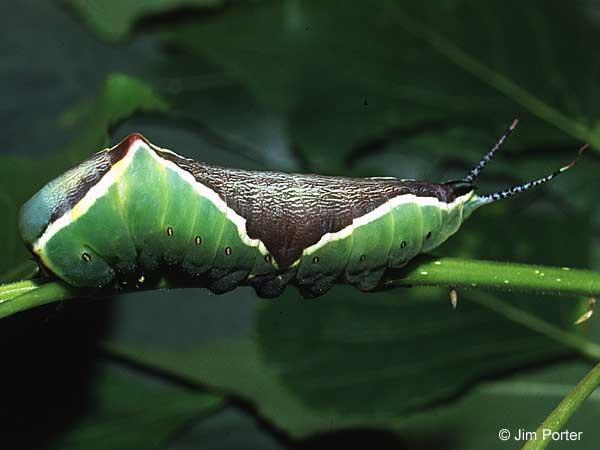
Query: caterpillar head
x=58, y=202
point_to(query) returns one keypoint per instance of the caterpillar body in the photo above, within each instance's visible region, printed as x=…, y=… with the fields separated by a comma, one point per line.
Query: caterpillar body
x=136, y=212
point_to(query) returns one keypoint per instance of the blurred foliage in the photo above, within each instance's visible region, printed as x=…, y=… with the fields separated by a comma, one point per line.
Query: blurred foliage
x=114, y=19
x=116, y=421
x=331, y=87
x=355, y=75
x=355, y=359
x=386, y=355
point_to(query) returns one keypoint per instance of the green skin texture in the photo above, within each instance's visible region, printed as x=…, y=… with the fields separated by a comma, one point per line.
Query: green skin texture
x=150, y=217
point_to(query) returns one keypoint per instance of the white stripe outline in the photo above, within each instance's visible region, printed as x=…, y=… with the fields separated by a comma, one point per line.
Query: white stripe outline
x=381, y=211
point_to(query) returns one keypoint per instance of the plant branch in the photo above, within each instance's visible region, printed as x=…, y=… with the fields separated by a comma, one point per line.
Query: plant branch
x=422, y=271
x=580, y=344
x=23, y=295
x=498, y=276
x=565, y=409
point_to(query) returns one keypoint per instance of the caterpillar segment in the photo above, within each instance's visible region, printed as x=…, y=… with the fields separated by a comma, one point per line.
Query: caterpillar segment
x=137, y=213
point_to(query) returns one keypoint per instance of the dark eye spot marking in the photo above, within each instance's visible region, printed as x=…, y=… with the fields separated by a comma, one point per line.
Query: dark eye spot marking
x=169, y=231
x=428, y=235
x=86, y=257
x=315, y=259
x=403, y=244
x=363, y=257
x=268, y=258
x=198, y=240
x=228, y=251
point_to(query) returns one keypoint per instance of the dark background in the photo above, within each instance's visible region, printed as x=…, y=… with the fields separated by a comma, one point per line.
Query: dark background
x=346, y=88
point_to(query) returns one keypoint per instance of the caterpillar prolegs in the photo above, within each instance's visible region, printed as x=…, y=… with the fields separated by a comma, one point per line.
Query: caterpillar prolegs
x=136, y=212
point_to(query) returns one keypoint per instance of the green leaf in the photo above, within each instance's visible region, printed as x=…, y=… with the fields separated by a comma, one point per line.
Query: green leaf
x=120, y=97
x=390, y=354
x=228, y=430
x=495, y=78
x=114, y=20
x=132, y=412
x=514, y=404
x=357, y=360
x=235, y=366
x=348, y=76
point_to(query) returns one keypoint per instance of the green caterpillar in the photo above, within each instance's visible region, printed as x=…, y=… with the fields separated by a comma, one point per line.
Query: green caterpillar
x=137, y=213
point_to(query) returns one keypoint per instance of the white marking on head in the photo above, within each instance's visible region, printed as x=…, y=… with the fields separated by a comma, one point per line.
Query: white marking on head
x=87, y=201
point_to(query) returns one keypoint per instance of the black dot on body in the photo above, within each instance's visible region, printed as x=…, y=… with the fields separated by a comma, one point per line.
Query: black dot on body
x=198, y=240
x=169, y=231
x=228, y=251
x=86, y=257
x=403, y=244
x=315, y=259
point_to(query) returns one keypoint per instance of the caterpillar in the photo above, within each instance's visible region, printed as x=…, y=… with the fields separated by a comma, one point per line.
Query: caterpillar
x=137, y=213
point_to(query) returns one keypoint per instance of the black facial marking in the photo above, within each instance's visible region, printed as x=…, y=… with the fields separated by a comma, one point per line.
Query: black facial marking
x=86, y=257
x=460, y=188
x=198, y=240
x=82, y=180
x=403, y=244
x=268, y=258
x=169, y=231
x=363, y=257
x=428, y=235
x=228, y=251
x=315, y=259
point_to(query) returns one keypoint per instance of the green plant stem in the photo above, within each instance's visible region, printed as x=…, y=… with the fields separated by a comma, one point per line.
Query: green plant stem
x=498, y=276
x=23, y=295
x=565, y=409
x=579, y=343
x=423, y=271
x=12, y=290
